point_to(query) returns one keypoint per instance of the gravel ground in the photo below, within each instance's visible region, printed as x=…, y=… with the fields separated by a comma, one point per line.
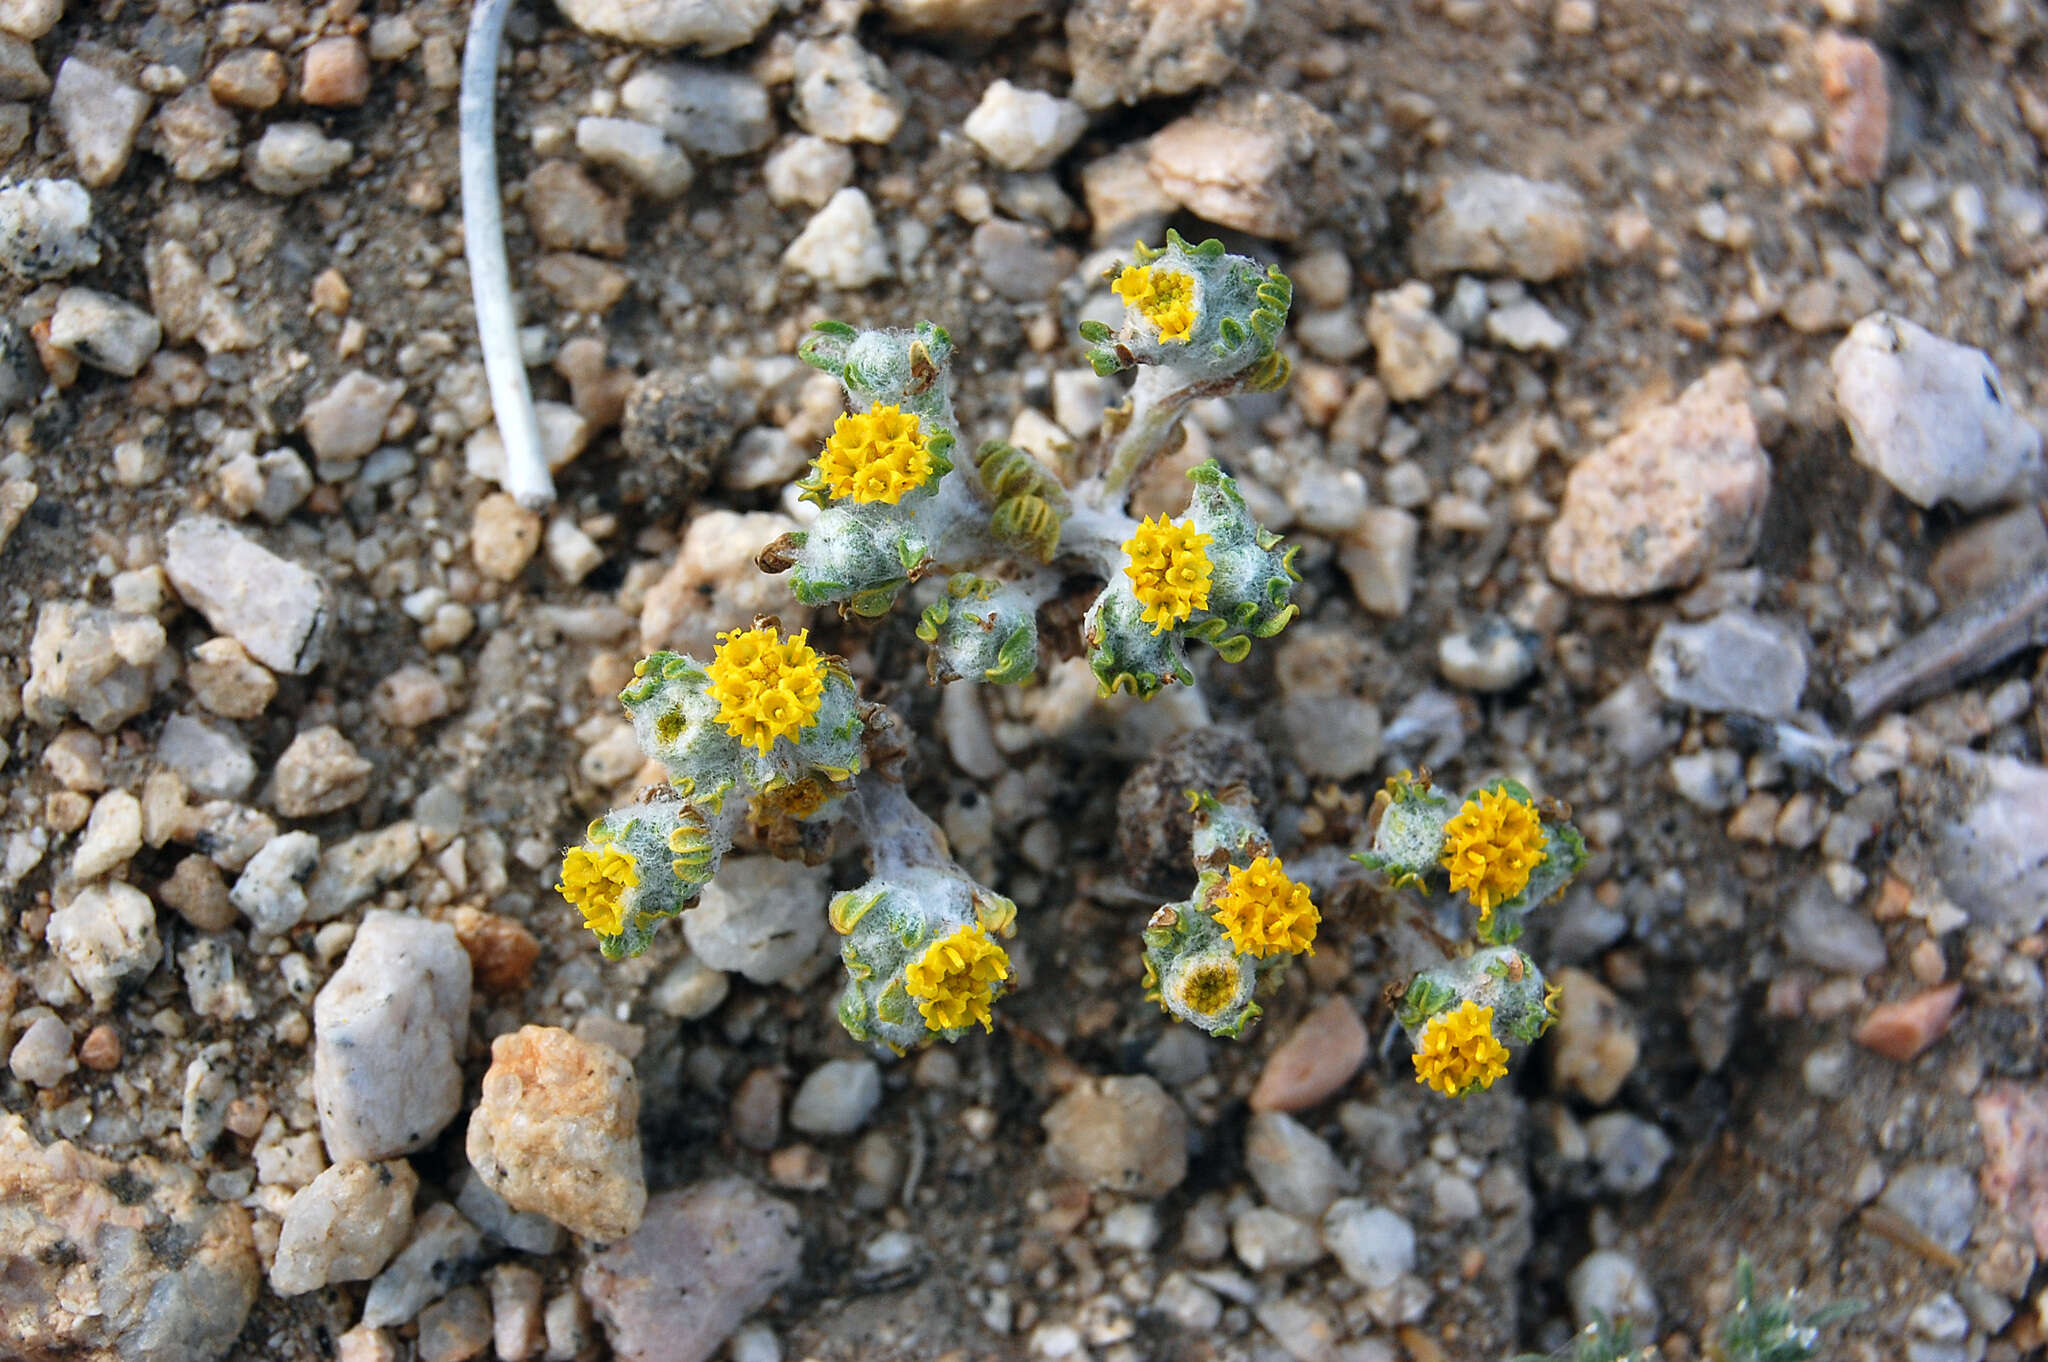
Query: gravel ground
x=1601, y=480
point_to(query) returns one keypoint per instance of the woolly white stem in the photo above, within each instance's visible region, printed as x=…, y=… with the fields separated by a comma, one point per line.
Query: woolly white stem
x=490, y=283
x=899, y=835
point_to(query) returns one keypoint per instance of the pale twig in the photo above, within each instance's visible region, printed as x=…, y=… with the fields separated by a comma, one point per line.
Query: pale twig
x=526, y=474
x=1966, y=641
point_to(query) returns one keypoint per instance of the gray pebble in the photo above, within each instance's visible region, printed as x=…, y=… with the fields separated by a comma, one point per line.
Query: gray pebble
x=1735, y=662
x=1710, y=779
x=443, y=1244
x=1939, y=1199
x=271, y=889
x=295, y=157
x=1265, y=1238
x=42, y=1056
x=707, y=109
x=46, y=229
x=1374, y=1246
x=1608, y=1284
x=1631, y=1152
x=273, y=607
x=104, y=331
x=214, y=763
x=99, y=115
x=1295, y=1170
x=759, y=917
x=837, y=1097
x=1490, y=656
x=1931, y=416
x=1823, y=932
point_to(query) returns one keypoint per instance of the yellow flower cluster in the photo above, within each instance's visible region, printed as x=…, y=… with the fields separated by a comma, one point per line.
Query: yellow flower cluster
x=1458, y=1052
x=955, y=980
x=766, y=688
x=1265, y=913
x=595, y=883
x=1491, y=847
x=1165, y=298
x=1169, y=570
x=876, y=455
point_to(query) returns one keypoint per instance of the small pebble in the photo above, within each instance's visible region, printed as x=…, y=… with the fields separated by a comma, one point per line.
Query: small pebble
x=639, y=151
x=841, y=244
x=1296, y=1171
x=1124, y=1134
x=1024, y=129
x=106, y=332
x=1902, y=1031
x=807, y=170
x=845, y=92
x=1315, y=1060
x=42, y=1054
x=1609, y=1285
x=837, y=1097
x=46, y=229
x=444, y=1247
x=1489, y=657
x=294, y=157
x=334, y=72
x=99, y=114
x=503, y=537
x=320, y=772
x=1373, y=1245
x=253, y=78
x=1932, y=416
x=106, y=937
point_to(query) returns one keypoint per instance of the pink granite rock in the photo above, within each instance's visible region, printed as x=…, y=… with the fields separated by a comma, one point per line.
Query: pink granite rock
x=1678, y=494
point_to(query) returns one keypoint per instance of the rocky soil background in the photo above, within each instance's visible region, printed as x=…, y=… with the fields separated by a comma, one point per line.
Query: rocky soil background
x=1598, y=482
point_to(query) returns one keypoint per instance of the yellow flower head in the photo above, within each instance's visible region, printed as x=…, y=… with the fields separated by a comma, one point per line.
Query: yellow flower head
x=1491, y=847
x=1165, y=298
x=1209, y=988
x=1265, y=913
x=955, y=980
x=1458, y=1052
x=595, y=883
x=766, y=687
x=1169, y=570
x=876, y=455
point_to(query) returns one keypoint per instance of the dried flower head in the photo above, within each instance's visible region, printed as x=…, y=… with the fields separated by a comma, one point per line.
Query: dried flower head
x=596, y=883
x=956, y=979
x=1458, y=1052
x=877, y=455
x=766, y=687
x=1265, y=913
x=1491, y=847
x=1169, y=570
x=1165, y=298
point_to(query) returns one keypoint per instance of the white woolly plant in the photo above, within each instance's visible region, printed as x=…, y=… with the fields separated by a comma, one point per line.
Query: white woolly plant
x=1211, y=955
x=1508, y=853
x=773, y=734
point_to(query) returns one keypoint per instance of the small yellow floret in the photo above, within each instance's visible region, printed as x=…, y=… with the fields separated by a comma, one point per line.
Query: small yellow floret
x=1169, y=570
x=876, y=455
x=1458, y=1052
x=766, y=687
x=955, y=980
x=1265, y=913
x=1491, y=847
x=1165, y=298
x=595, y=883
